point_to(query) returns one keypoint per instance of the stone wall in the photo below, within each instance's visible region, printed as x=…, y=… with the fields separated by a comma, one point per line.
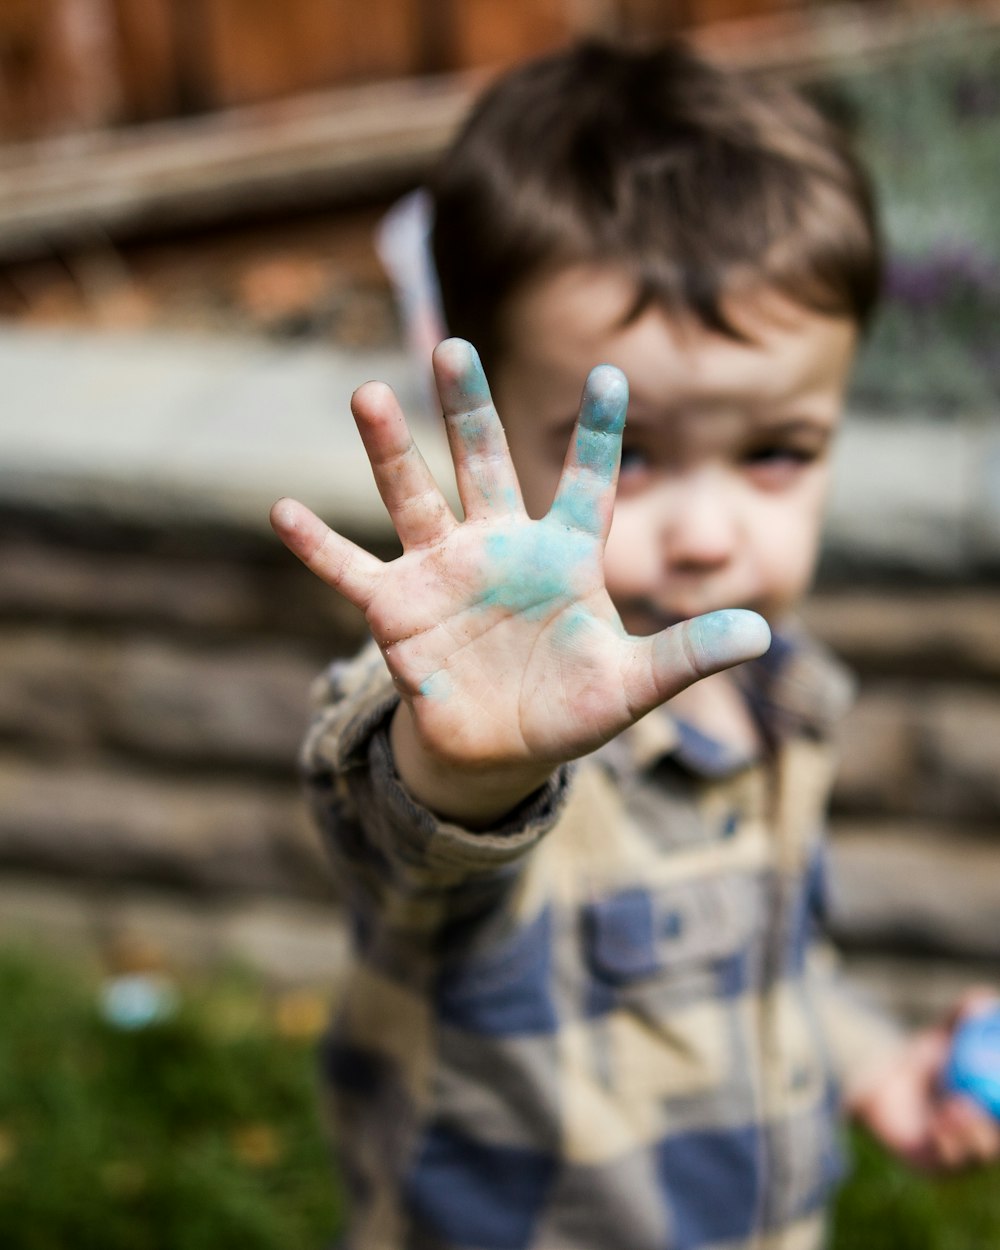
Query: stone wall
x=156, y=688
x=915, y=850
x=155, y=693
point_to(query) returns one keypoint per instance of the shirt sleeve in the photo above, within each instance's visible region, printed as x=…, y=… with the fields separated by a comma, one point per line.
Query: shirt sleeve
x=373, y=828
x=861, y=1035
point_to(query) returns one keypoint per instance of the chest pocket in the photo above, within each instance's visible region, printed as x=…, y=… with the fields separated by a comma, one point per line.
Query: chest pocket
x=676, y=932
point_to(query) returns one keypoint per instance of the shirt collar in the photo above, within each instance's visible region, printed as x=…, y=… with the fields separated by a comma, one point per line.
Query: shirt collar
x=798, y=689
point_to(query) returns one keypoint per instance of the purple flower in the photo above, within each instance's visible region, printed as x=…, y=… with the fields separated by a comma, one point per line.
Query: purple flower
x=949, y=273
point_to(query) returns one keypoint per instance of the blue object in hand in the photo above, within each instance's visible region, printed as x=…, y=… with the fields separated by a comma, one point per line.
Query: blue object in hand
x=973, y=1066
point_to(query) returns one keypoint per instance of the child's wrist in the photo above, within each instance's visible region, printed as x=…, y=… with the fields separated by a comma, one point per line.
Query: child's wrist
x=475, y=796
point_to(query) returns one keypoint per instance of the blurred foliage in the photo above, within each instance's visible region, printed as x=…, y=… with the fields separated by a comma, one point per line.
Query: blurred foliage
x=200, y=1132
x=886, y=1206
x=927, y=125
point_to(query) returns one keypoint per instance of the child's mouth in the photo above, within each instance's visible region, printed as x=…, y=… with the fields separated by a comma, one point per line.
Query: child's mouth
x=644, y=617
x=641, y=616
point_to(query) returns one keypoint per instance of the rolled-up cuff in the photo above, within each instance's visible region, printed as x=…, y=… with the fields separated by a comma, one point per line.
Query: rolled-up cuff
x=422, y=839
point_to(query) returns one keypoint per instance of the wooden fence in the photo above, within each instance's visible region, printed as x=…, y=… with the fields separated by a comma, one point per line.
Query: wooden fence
x=70, y=65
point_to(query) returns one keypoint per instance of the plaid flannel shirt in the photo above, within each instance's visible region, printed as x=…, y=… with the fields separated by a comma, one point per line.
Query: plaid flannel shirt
x=610, y=1023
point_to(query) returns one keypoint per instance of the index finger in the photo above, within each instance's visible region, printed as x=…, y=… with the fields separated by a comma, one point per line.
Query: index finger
x=586, y=493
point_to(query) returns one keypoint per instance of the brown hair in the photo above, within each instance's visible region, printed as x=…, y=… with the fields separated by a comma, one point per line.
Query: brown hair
x=697, y=180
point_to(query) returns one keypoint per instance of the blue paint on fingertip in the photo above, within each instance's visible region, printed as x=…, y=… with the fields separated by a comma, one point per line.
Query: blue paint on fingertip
x=607, y=392
x=732, y=635
x=468, y=377
x=602, y=419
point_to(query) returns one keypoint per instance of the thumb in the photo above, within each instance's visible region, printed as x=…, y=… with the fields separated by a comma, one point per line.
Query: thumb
x=668, y=662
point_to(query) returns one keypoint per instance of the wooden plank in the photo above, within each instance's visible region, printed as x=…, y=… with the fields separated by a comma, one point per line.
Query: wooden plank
x=499, y=32
x=333, y=146
x=806, y=41
x=146, y=59
x=56, y=66
x=261, y=49
x=327, y=147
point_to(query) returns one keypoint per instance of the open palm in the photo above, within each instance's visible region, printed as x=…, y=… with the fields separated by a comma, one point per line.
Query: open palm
x=497, y=629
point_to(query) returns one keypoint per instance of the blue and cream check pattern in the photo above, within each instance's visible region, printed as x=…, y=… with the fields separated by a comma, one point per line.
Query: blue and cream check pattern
x=611, y=1024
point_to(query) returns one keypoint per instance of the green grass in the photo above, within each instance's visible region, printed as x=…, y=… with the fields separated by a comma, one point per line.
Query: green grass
x=203, y=1132
x=886, y=1206
x=199, y=1133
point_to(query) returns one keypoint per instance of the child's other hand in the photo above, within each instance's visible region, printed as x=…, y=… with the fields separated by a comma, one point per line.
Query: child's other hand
x=905, y=1107
x=505, y=647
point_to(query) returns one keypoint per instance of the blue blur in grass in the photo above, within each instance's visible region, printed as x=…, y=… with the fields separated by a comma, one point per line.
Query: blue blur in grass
x=137, y=1001
x=135, y=1139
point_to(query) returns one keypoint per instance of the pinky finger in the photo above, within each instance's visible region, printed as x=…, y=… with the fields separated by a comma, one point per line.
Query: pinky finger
x=348, y=568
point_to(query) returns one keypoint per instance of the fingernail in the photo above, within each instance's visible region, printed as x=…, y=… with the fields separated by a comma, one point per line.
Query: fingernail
x=607, y=395
x=730, y=636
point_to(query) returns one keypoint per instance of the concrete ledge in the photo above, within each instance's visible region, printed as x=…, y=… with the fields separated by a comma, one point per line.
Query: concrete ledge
x=918, y=494
x=163, y=429
x=160, y=428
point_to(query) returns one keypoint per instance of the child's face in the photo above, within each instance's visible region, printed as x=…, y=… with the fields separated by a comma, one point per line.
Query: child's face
x=726, y=456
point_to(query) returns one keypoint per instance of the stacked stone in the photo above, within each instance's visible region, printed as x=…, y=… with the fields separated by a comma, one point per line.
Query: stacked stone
x=916, y=816
x=155, y=694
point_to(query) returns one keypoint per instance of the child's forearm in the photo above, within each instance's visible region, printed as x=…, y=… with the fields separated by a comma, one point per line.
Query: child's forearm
x=473, y=797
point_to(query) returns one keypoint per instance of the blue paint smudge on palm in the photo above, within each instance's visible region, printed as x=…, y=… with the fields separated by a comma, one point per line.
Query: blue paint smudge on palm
x=579, y=509
x=535, y=568
x=570, y=626
x=437, y=686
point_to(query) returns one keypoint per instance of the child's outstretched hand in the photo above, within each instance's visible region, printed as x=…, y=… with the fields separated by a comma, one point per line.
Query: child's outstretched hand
x=907, y=1105
x=505, y=647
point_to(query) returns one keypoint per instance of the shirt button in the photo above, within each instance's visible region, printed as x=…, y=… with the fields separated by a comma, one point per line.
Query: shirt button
x=672, y=925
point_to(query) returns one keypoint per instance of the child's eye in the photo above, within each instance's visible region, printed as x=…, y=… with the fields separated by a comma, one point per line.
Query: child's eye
x=773, y=466
x=634, y=462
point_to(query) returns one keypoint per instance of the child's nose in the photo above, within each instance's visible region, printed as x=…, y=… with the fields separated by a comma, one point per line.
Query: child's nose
x=699, y=523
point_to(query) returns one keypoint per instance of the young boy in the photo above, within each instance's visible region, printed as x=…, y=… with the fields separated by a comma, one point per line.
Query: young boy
x=576, y=794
